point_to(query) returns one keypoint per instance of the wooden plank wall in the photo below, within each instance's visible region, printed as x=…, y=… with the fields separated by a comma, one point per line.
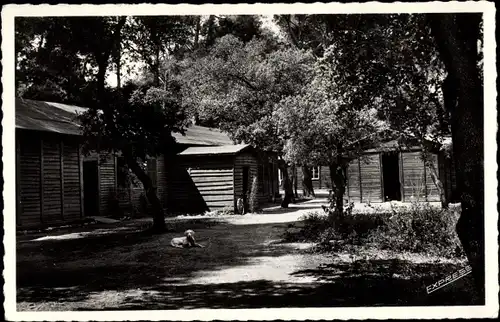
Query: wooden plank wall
x=323, y=182
x=240, y=161
x=52, y=203
x=197, y=184
x=30, y=180
x=432, y=191
x=107, y=183
x=324, y=176
x=215, y=186
x=273, y=176
x=49, y=179
x=353, y=181
x=265, y=167
x=371, y=178
x=71, y=183
x=124, y=191
x=414, y=183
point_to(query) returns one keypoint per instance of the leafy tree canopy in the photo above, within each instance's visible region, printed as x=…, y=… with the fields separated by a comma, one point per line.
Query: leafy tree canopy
x=238, y=85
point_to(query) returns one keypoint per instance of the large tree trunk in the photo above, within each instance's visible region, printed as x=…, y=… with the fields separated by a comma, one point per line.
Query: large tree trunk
x=457, y=36
x=338, y=170
x=158, y=214
x=287, y=185
x=337, y=175
x=307, y=186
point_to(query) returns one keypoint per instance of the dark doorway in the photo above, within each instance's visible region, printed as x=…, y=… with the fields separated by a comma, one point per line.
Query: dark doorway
x=90, y=188
x=390, y=169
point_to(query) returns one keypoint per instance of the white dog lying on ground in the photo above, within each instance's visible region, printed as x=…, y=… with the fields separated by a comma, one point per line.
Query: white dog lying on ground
x=186, y=241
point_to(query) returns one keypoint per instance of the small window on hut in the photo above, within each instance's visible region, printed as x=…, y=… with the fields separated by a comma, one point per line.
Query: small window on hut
x=315, y=173
x=121, y=172
x=152, y=171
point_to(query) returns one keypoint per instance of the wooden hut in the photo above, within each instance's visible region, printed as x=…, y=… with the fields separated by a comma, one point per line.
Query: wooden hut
x=213, y=178
x=49, y=165
x=391, y=171
x=56, y=183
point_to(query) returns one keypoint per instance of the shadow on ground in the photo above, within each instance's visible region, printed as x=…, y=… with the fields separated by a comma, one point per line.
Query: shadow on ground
x=342, y=288
x=293, y=208
x=127, y=262
x=68, y=270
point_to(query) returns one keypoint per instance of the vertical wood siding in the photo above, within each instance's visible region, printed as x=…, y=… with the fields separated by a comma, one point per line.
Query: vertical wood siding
x=371, y=184
x=29, y=180
x=353, y=181
x=52, y=203
x=432, y=190
x=240, y=161
x=414, y=177
x=106, y=184
x=71, y=182
x=264, y=178
x=49, y=179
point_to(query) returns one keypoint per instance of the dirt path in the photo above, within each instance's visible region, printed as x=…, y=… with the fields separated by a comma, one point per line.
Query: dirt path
x=114, y=269
x=242, y=266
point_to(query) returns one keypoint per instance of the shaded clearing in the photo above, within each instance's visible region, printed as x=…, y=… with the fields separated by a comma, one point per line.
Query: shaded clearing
x=128, y=269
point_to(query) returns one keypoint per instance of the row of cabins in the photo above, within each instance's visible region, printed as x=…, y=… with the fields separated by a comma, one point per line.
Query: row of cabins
x=56, y=183
x=392, y=171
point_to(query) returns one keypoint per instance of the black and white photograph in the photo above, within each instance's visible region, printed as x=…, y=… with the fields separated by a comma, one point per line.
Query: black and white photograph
x=292, y=161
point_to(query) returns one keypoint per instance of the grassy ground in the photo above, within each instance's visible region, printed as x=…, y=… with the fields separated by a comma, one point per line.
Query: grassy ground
x=243, y=266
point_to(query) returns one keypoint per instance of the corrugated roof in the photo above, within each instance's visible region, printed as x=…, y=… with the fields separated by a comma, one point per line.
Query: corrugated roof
x=47, y=116
x=61, y=118
x=215, y=150
x=200, y=135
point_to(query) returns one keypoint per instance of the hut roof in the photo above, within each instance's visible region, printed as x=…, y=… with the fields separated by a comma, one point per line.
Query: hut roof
x=62, y=118
x=47, y=117
x=216, y=150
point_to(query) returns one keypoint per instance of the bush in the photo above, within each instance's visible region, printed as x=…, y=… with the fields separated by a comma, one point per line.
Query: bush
x=422, y=229
x=314, y=225
x=419, y=228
